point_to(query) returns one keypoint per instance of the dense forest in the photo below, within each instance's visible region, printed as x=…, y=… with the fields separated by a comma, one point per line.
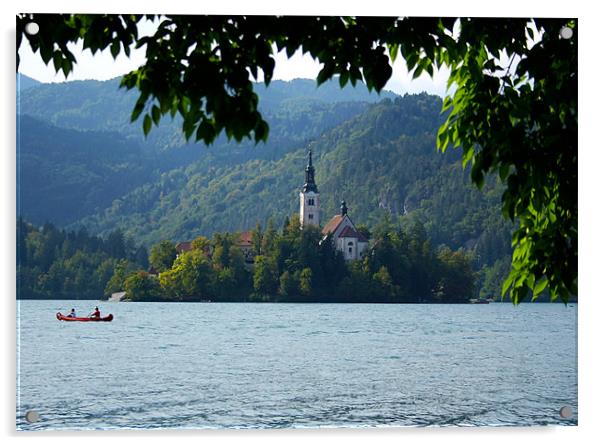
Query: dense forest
x=84, y=167
x=294, y=265
x=59, y=264
x=289, y=265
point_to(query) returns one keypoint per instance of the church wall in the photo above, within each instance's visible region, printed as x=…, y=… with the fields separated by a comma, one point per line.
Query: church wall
x=361, y=247
x=305, y=209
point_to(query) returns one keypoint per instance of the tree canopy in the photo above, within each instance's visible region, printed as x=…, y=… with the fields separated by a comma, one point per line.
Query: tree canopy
x=516, y=118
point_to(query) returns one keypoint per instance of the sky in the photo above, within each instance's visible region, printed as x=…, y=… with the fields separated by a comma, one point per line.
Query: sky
x=102, y=66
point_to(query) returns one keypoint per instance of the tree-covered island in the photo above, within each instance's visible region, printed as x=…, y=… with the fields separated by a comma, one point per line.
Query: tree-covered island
x=289, y=265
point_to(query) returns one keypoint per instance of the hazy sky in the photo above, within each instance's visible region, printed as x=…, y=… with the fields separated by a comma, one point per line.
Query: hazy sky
x=102, y=66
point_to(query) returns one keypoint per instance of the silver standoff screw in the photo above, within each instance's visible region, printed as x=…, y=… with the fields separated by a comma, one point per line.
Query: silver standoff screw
x=32, y=28
x=32, y=416
x=566, y=412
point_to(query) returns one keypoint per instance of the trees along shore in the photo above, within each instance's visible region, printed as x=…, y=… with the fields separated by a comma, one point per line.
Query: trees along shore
x=294, y=265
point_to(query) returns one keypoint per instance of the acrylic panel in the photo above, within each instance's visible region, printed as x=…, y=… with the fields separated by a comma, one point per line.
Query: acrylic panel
x=295, y=222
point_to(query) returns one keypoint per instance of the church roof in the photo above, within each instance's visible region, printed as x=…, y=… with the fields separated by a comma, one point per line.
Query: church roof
x=310, y=183
x=185, y=246
x=333, y=224
x=245, y=239
x=350, y=232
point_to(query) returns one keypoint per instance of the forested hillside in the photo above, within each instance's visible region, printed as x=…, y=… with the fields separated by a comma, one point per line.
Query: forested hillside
x=82, y=164
x=382, y=162
x=297, y=108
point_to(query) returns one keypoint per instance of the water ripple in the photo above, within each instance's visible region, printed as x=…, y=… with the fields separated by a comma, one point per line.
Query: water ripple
x=298, y=366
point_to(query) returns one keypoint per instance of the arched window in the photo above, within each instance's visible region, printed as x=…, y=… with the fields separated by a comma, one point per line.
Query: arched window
x=310, y=201
x=350, y=243
x=310, y=216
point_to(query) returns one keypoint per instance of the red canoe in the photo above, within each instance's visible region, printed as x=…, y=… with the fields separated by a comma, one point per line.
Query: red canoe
x=60, y=316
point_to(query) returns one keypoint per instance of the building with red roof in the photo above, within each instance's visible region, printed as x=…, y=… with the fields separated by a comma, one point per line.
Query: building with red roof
x=345, y=236
x=351, y=243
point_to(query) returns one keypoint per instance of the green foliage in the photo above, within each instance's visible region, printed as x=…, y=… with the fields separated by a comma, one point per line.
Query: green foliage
x=189, y=279
x=305, y=283
x=141, y=286
x=53, y=263
x=456, y=281
x=521, y=123
x=492, y=278
x=163, y=255
x=399, y=181
x=289, y=285
x=116, y=283
x=90, y=164
x=264, y=276
x=65, y=175
x=297, y=265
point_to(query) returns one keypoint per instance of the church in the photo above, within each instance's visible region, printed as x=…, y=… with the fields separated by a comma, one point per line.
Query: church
x=345, y=236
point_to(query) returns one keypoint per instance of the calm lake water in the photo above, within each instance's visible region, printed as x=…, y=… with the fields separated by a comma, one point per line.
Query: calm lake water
x=295, y=365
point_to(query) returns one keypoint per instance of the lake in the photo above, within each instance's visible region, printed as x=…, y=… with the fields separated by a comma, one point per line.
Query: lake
x=242, y=365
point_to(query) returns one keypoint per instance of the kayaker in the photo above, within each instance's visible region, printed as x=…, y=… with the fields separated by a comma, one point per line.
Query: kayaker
x=72, y=314
x=96, y=313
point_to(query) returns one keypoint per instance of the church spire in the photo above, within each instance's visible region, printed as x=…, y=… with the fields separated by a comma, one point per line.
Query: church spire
x=310, y=183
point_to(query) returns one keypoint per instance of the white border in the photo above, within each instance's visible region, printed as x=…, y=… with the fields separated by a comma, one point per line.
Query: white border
x=589, y=327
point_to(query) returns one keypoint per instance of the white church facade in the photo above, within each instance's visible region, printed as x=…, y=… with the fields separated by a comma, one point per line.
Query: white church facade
x=345, y=236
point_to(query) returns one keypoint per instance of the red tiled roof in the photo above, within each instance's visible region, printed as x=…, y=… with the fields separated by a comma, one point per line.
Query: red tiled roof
x=245, y=239
x=185, y=246
x=333, y=224
x=350, y=232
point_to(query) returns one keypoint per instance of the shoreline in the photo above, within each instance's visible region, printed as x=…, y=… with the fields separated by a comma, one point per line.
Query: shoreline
x=303, y=302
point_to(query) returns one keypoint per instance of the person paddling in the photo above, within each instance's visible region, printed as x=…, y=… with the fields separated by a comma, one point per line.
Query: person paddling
x=96, y=313
x=72, y=314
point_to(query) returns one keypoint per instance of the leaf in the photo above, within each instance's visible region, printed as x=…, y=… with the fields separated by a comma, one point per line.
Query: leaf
x=206, y=132
x=115, y=48
x=57, y=60
x=66, y=66
x=447, y=103
x=268, y=70
x=146, y=125
x=442, y=138
x=393, y=51
x=467, y=156
x=325, y=73
x=540, y=287
x=417, y=72
x=504, y=168
x=138, y=109
x=156, y=112
x=261, y=131
x=507, y=283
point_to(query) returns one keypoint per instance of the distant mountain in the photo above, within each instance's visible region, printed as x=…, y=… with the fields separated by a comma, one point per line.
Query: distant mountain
x=281, y=92
x=24, y=82
x=76, y=149
x=64, y=174
x=103, y=106
x=81, y=163
x=382, y=162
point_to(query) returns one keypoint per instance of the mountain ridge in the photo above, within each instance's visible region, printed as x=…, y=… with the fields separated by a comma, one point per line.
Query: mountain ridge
x=82, y=164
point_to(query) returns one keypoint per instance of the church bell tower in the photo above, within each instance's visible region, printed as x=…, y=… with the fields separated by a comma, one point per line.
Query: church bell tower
x=309, y=211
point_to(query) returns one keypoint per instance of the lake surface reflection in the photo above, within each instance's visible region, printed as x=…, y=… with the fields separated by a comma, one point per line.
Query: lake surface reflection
x=295, y=365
